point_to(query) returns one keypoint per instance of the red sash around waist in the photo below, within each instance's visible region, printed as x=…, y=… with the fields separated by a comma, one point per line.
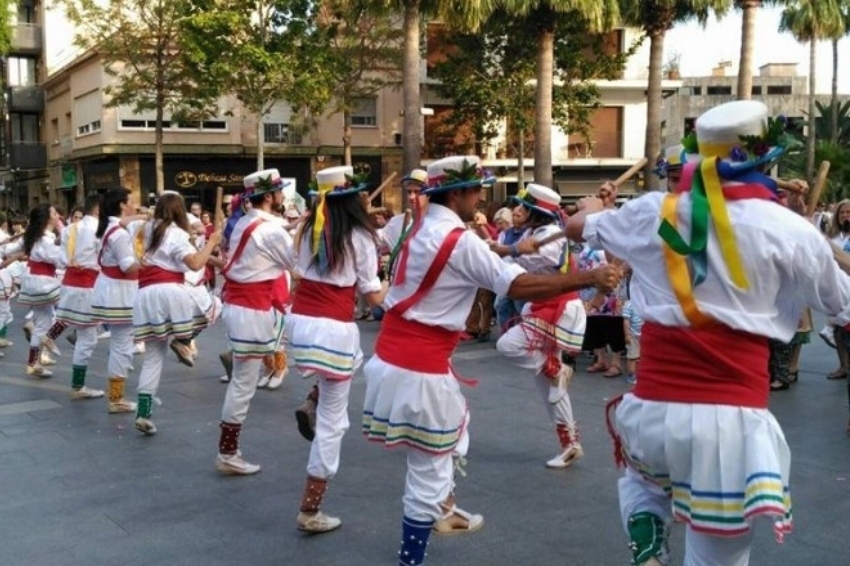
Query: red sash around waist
x=313, y=298
x=415, y=346
x=551, y=310
x=154, y=275
x=716, y=365
x=41, y=268
x=114, y=272
x=79, y=277
x=258, y=295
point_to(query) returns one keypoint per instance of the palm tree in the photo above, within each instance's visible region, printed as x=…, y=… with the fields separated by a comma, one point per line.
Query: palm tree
x=655, y=17
x=812, y=21
x=749, y=10
x=456, y=14
x=600, y=15
x=844, y=7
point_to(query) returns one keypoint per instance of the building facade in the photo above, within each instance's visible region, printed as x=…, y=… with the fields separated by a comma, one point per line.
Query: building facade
x=23, y=157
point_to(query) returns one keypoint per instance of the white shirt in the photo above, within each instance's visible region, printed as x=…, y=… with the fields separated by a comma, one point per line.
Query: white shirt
x=389, y=235
x=46, y=250
x=86, y=243
x=359, y=268
x=268, y=252
x=118, y=247
x=471, y=265
x=173, y=249
x=547, y=258
x=788, y=263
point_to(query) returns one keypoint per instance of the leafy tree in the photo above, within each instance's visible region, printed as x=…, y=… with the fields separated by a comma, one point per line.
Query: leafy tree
x=261, y=51
x=844, y=8
x=489, y=75
x=6, y=10
x=811, y=21
x=364, y=57
x=656, y=17
x=599, y=15
x=140, y=46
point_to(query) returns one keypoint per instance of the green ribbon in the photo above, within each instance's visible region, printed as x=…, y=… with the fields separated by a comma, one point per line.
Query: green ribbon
x=696, y=250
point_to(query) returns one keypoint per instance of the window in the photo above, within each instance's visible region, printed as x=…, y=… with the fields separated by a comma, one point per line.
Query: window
x=778, y=89
x=696, y=90
x=54, y=131
x=364, y=112
x=22, y=71
x=279, y=133
x=690, y=124
x=756, y=89
x=719, y=90
x=24, y=128
x=87, y=113
x=26, y=13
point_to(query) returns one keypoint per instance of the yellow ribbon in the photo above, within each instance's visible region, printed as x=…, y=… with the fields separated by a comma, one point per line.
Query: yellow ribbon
x=677, y=270
x=319, y=222
x=71, y=246
x=139, y=243
x=722, y=224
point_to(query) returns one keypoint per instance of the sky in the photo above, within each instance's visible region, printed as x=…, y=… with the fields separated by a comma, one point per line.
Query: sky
x=702, y=48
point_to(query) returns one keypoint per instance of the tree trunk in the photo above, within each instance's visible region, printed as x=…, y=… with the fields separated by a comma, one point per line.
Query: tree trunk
x=160, y=175
x=261, y=142
x=833, y=103
x=749, y=10
x=520, y=180
x=810, y=139
x=653, y=103
x=543, y=108
x=412, y=137
x=346, y=136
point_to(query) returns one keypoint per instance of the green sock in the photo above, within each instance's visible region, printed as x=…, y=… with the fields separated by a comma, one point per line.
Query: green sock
x=145, y=406
x=648, y=534
x=78, y=376
x=3, y=331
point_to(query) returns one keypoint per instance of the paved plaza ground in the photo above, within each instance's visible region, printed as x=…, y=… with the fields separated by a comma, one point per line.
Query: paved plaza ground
x=81, y=487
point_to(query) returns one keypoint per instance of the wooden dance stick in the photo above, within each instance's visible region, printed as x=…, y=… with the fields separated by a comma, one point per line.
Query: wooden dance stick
x=820, y=183
x=616, y=182
x=219, y=208
x=382, y=186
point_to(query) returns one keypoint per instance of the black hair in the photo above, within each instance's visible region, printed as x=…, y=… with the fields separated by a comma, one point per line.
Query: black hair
x=39, y=218
x=92, y=202
x=110, y=205
x=344, y=214
x=536, y=219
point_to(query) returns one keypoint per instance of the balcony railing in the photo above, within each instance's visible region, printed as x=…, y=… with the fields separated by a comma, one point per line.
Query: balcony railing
x=26, y=38
x=26, y=99
x=27, y=155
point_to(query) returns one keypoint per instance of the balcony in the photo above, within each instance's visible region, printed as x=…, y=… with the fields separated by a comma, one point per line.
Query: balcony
x=26, y=99
x=27, y=155
x=26, y=39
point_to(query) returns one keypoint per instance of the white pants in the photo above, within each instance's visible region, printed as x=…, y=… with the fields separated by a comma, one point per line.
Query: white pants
x=120, y=349
x=430, y=480
x=331, y=425
x=6, y=317
x=83, y=348
x=152, y=367
x=241, y=389
x=638, y=494
x=514, y=345
x=42, y=320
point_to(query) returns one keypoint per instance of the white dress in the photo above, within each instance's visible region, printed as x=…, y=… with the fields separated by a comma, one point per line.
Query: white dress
x=112, y=298
x=75, y=304
x=326, y=346
x=167, y=310
x=42, y=290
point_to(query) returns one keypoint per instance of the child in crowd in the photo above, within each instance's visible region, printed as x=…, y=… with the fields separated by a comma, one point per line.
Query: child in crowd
x=632, y=325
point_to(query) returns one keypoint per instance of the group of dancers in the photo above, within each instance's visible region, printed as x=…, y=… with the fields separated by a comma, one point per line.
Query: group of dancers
x=711, y=276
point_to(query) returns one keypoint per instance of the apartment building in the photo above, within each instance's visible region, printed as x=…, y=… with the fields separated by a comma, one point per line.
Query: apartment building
x=23, y=157
x=777, y=85
x=617, y=128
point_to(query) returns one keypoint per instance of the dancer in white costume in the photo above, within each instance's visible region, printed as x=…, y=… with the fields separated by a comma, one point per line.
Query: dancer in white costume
x=696, y=435
x=337, y=258
x=260, y=251
x=80, y=253
x=39, y=286
x=164, y=308
x=548, y=328
x=115, y=289
x=413, y=398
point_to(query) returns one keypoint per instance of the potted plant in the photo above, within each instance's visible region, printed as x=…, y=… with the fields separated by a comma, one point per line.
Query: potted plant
x=671, y=67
